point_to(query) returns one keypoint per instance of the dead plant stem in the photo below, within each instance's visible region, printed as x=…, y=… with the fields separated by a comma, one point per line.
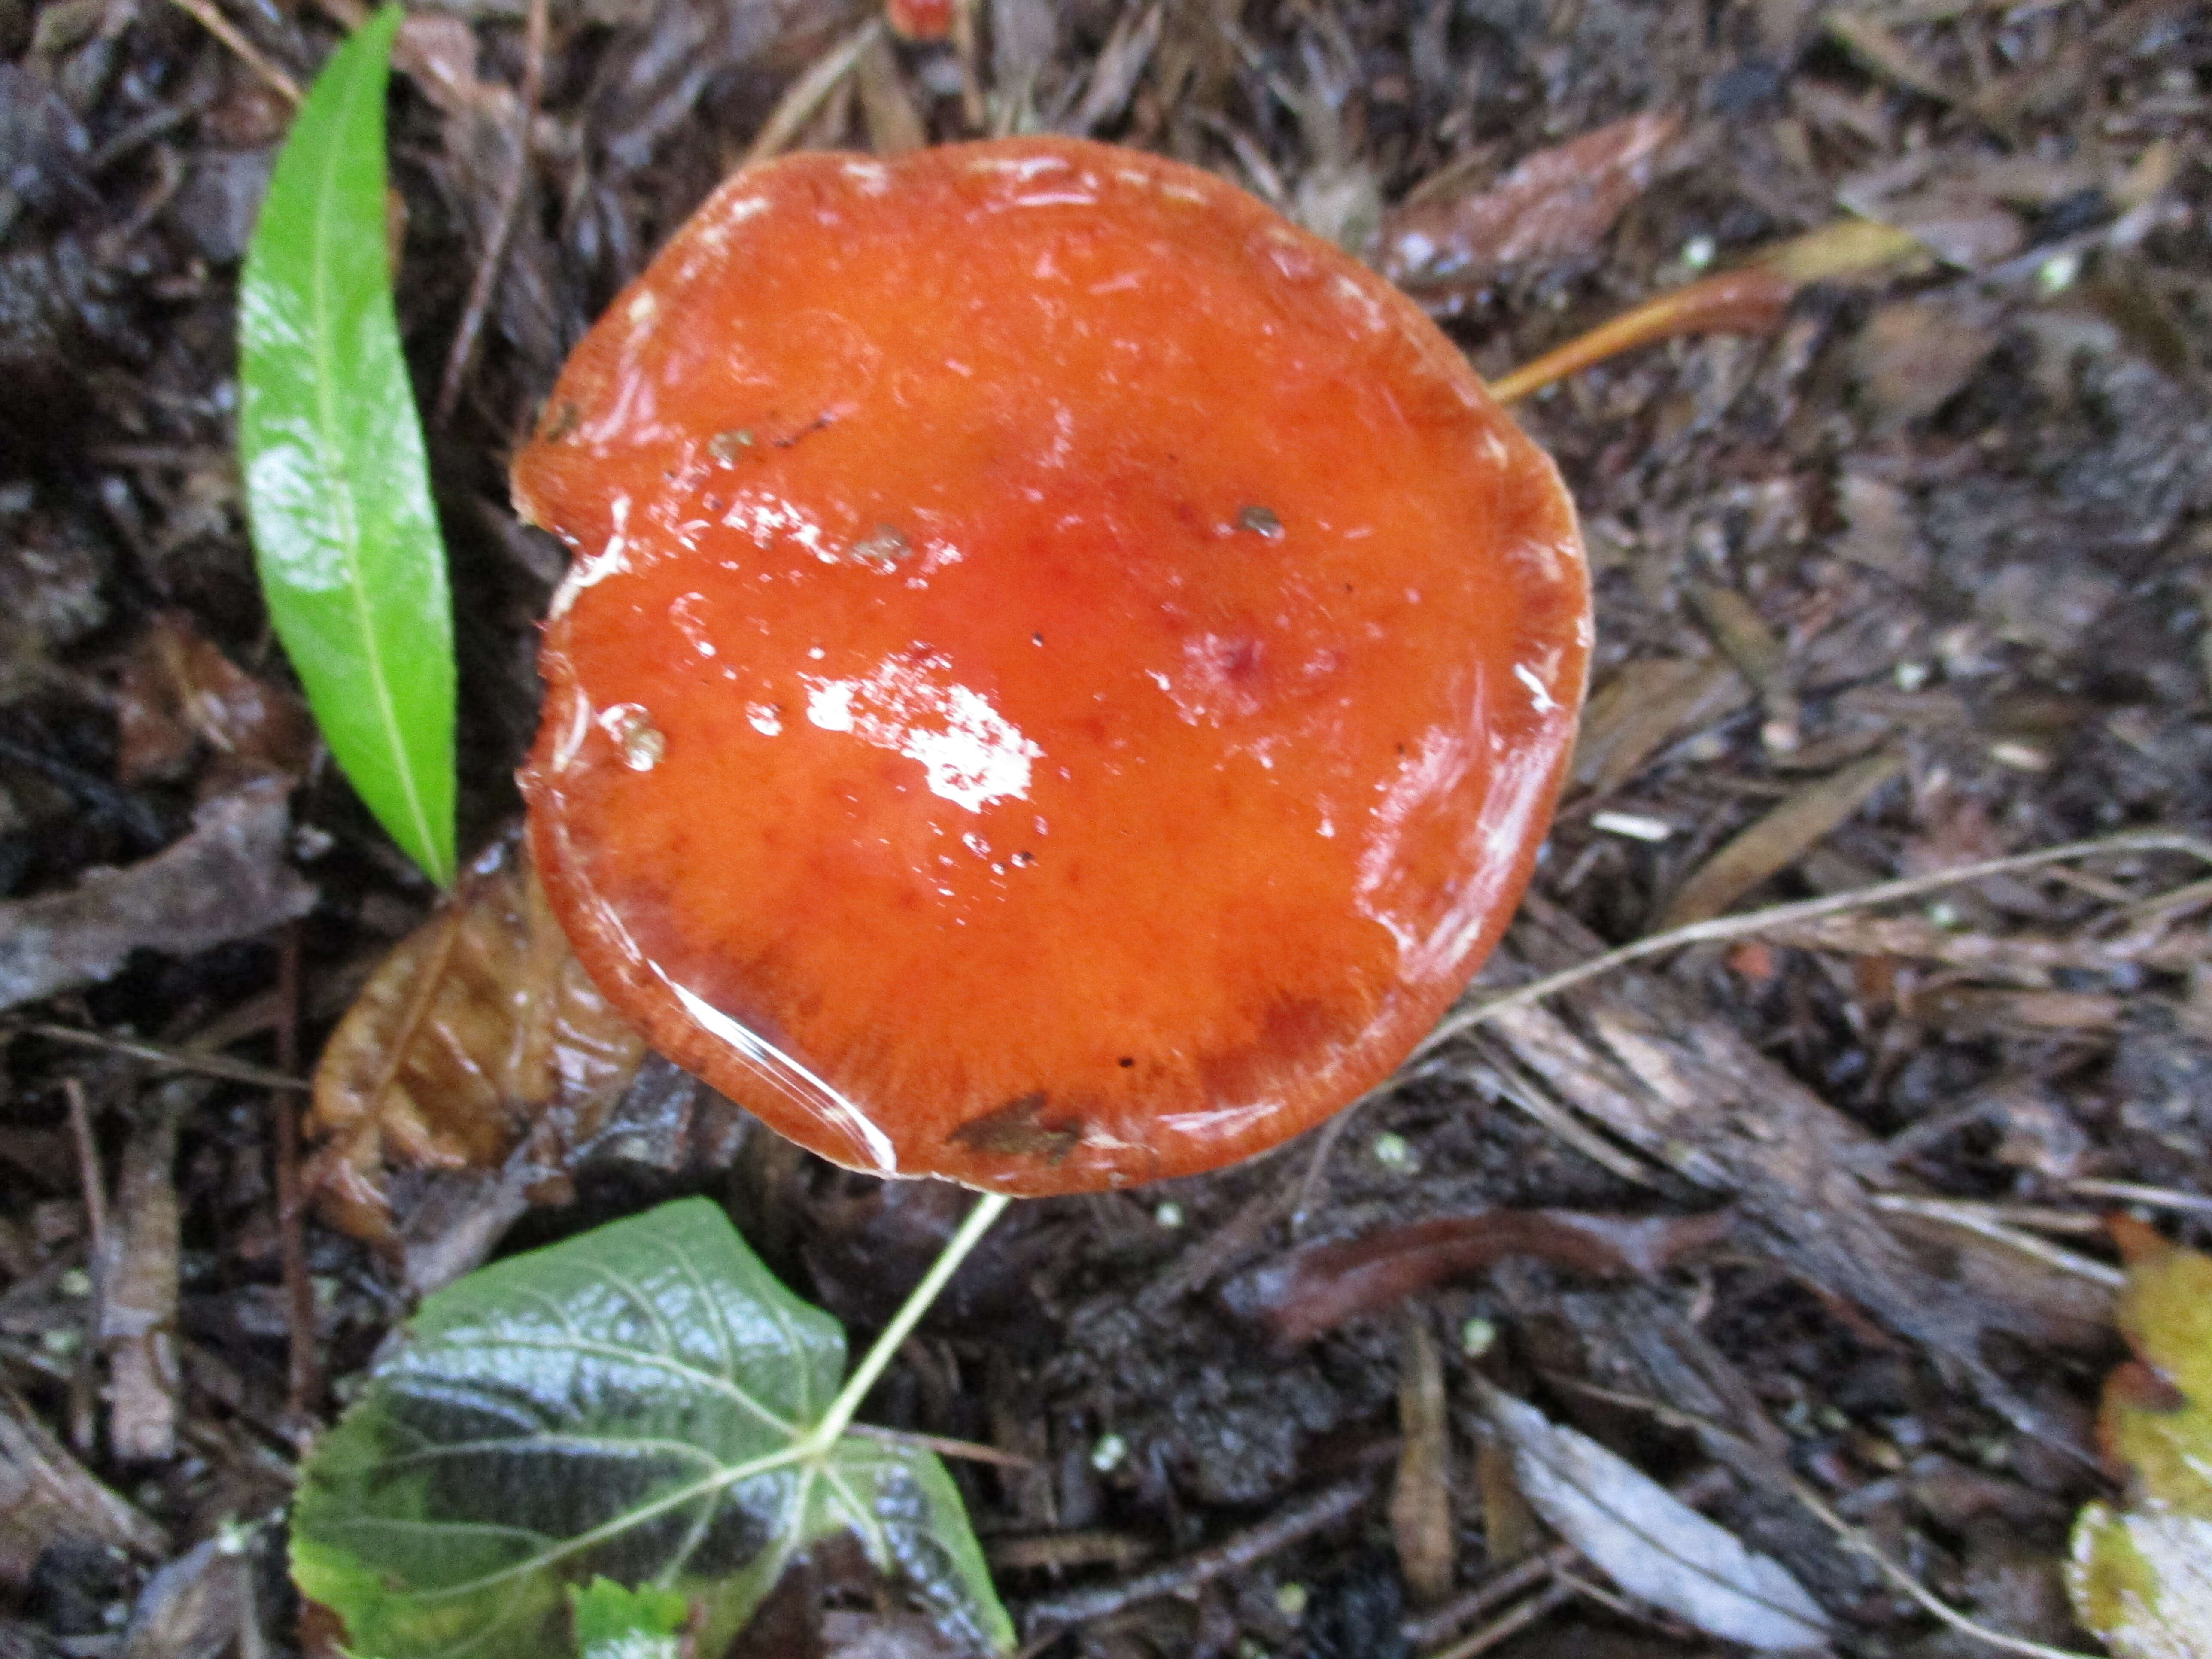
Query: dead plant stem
x=89, y=1177
x=246, y=52
x=1721, y=928
x=1859, y=1543
x=462, y=354
x=303, y=1370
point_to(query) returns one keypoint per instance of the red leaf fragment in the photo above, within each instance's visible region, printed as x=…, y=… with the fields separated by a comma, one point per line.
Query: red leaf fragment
x=1309, y=1292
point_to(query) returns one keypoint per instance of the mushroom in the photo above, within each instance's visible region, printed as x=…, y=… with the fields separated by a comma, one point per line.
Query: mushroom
x=1064, y=674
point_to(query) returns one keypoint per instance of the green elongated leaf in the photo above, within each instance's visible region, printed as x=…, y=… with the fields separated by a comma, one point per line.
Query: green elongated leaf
x=634, y=1404
x=336, y=485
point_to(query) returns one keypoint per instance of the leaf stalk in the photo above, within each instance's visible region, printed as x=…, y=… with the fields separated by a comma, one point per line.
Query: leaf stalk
x=973, y=1226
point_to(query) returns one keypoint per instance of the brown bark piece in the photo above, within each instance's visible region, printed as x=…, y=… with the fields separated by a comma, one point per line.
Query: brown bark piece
x=1657, y=1070
x=138, y=1285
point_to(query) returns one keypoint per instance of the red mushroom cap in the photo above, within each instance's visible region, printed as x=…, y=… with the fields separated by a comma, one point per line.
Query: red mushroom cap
x=1065, y=673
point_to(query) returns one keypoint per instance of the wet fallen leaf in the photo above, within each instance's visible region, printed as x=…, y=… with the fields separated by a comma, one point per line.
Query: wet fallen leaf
x=479, y=1025
x=1778, y=840
x=227, y=879
x=2141, y=1575
x=1554, y=205
x=1311, y=1292
x=640, y=1402
x=1649, y=1543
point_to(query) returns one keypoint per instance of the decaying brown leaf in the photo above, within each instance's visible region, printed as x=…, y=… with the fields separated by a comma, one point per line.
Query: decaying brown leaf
x=1648, y=702
x=227, y=879
x=179, y=688
x=1915, y=355
x=1420, y=1499
x=1554, y=205
x=1778, y=840
x=1311, y=1292
x=45, y=1495
x=479, y=1025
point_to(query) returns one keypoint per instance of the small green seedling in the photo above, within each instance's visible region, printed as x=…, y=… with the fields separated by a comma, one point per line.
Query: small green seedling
x=338, y=489
x=605, y=1446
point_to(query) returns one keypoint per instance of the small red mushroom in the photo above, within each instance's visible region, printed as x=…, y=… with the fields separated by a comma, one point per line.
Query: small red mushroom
x=1064, y=675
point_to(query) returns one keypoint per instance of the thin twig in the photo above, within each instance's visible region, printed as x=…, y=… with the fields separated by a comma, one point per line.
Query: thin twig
x=246, y=53
x=1859, y=1543
x=1973, y=1219
x=1730, y=928
x=2129, y=1192
x=157, y=1054
x=943, y=1446
x=303, y=1369
x=1315, y=1183
x=807, y=94
x=1514, y=1620
x=463, y=351
x=89, y=1177
x=83, y=1392
x=1472, y=1604
x=1324, y=1509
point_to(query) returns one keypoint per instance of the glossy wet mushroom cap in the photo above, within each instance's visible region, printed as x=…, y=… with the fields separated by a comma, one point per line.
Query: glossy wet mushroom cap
x=1064, y=674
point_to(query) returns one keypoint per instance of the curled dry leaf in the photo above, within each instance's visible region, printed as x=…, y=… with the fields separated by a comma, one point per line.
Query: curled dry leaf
x=226, y=880
x=1309, y=1292
x=2141, y=1575
x=1649, y=1543
x=475, y=1027
x=1554, y=205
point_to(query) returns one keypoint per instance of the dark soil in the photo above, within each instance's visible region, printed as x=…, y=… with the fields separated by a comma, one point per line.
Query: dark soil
x=1950, y=524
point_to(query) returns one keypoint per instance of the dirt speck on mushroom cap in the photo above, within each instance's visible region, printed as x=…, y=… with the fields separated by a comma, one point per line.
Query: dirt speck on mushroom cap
x=1064, y=673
